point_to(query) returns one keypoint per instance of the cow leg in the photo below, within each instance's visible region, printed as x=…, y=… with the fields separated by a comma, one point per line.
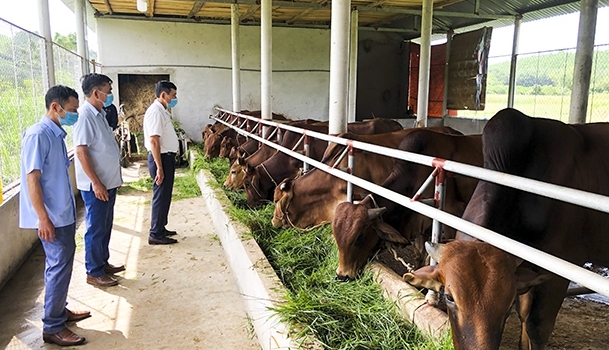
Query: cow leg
x=546, y=302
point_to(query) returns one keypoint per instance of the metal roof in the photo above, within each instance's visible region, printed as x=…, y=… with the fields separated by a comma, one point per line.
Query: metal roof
x=400, y=16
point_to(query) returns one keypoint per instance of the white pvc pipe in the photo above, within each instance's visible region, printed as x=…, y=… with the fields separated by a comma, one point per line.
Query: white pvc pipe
x=266, y=59
x=582, y=71
x=81, y=43
x=44, y=24
x=558, y=266
x=339, y=60
x=353, y=47
x=236, y=56
x=424, y=63
x=514, y=62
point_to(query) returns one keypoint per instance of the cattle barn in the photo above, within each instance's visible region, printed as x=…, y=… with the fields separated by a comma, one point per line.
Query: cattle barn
x=338, y=61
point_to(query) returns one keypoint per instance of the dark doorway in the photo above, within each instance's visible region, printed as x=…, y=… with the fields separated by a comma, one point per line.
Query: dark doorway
x=136, y=93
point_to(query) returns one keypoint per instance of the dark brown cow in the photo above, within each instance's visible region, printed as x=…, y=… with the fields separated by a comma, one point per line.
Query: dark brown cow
x=311, y=199
x=358, y=229
x=482, y=282
x=236, y=175
x=260, y=182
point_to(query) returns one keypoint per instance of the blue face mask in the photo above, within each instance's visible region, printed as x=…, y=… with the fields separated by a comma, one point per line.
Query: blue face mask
x=173, y=103
x=109, y=100
x=70, y=119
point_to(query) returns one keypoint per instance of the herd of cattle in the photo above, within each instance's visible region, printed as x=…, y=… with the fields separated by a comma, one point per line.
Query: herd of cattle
x=479, y=282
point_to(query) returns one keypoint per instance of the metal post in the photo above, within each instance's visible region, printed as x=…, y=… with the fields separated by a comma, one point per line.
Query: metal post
x=350, y=170
x=266, y=60
x=583, y=61
x=81, y=43
x=424, y=63
x=449, y=42
x=305, y=165
x=439, y=194
x=353, y=47
x=44, y=24
x=234, y=23
x=514, y=62
x=339, y=60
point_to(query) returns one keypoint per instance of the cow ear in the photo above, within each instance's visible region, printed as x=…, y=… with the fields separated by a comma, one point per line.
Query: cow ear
x=387, y=233
x=248, y=168
x=426, y=277
x=285, y=185
x=527, y=278
x=240, y=160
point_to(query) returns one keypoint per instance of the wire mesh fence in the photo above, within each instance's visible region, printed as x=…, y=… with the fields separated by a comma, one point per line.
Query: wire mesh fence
x=543, y=85
x=22, y=57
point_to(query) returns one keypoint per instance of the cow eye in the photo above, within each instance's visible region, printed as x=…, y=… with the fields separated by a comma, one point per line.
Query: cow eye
x=359, y=241
x=449, y=298
x=233, y=172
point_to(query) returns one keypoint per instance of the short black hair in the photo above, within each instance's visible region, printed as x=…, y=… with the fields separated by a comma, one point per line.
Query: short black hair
x=93, y=80
x=164, y=86
x=60, y=94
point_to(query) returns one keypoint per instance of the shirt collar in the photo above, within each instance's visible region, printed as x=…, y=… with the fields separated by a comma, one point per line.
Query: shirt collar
x=57, y=130
x=93, y=110
x=159, y=104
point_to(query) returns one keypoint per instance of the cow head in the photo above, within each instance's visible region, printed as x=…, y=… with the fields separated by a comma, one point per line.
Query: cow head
x=212, y=145
x=225, y=147
x=251, y=183
x=282, y=196
x=357, y=229
x=207, y=131
x=236, y=174
x=480, y=283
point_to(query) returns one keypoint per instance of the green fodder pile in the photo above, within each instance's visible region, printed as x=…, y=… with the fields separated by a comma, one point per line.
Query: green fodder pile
x=340, y=315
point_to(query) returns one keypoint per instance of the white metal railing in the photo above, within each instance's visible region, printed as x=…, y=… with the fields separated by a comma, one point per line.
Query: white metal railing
x=558, y=266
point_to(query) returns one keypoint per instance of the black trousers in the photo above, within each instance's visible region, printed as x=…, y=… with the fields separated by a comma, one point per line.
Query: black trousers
x=161, y=194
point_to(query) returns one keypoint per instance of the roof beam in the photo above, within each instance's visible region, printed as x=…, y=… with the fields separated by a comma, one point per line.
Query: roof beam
x=151, y=8
x=109, y=7
x=250, y=11
x=306, y=12
x=378, y=3
x=195, y=8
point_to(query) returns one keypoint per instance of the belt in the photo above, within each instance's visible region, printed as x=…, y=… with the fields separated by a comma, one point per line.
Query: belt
x=169, y=154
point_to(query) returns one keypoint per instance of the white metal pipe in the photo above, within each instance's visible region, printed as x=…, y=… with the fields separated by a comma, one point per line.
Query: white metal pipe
x=353, y=47
x=339, y=61
x=350, y=170
x=44, y=25
x=558, y=266
x=81, y=35
x=424, y=63
x=569, y=195
x=266, y=60
x=582, y=71
x=307, y=147
x=514, y=62
x=236, y=56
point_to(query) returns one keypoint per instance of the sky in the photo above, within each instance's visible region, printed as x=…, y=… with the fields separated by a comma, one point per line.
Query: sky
x=547, y=34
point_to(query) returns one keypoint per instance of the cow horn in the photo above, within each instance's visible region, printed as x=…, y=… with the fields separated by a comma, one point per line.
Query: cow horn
x=434, y=250
x=375, y=212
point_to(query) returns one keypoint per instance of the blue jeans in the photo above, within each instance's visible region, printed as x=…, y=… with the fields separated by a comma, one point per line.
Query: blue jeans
x=98, y=216
x=161, y=194
x=58, y=265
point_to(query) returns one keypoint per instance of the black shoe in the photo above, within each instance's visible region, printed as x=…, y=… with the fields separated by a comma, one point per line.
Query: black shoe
x=170, y=233
x=164, y=240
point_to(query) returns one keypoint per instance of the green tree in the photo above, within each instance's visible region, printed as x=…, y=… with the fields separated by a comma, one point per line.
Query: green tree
x=67, y=41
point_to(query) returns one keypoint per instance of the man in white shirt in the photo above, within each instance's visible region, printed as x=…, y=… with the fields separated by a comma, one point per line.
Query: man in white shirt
x=161, y=141
x=98, y=177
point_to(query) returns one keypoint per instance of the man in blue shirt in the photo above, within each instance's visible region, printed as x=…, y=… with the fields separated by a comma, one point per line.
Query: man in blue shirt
x=46, y=203
x=98, y=176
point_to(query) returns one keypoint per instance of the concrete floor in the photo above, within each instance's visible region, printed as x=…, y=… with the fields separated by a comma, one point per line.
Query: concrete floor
x=181, y=296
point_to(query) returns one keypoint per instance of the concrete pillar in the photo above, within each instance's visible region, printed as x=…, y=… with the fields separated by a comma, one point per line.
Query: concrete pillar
x=424, y=63
x=339, y=61
x=44, y=25
x=514, y=62
x=266, y=58
x=353, y=46
x=236, y=55
x=81, y=35
x=583, y=61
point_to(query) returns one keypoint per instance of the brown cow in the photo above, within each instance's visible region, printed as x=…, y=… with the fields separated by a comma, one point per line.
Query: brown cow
x=358, y=229
x=260, y=182
x=311, y=199
x=482, y=282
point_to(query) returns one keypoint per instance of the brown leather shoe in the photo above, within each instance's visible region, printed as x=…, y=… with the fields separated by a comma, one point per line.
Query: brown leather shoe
x=102, y=281
x=64, y=337
x=109, y=268
x=74, y=316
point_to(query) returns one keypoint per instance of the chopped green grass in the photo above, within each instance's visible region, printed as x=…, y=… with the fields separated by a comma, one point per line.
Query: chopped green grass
x=141, y=185
x=340, y=315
